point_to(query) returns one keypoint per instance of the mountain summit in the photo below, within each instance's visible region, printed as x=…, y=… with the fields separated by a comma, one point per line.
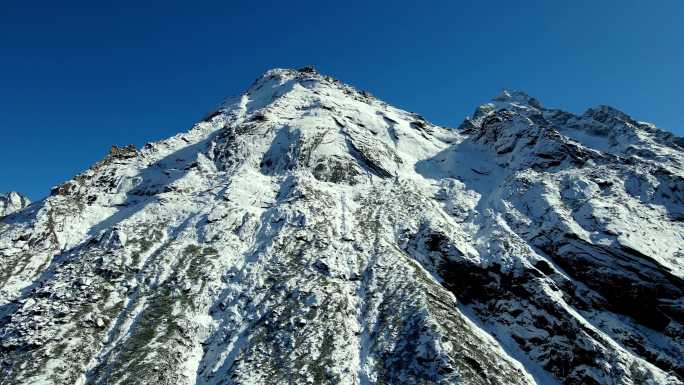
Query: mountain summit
x=309, y=233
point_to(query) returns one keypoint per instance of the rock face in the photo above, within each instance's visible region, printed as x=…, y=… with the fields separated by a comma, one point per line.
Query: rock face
x=11, y=202
x=308, y=233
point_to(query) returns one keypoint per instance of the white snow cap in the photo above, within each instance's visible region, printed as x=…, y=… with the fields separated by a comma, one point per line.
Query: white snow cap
x=515, y=96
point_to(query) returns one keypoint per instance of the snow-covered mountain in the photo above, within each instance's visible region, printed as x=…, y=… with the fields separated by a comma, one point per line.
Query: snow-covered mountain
x=309, y=233
x=11, y=202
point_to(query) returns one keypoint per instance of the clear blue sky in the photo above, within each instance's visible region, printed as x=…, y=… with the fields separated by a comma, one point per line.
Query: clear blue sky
x=77, y=77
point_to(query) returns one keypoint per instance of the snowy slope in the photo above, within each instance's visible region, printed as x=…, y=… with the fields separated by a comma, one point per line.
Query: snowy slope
x=309, y=233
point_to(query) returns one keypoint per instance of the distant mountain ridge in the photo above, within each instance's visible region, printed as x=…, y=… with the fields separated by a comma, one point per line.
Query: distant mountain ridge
x=11, y=202
x=309, y=233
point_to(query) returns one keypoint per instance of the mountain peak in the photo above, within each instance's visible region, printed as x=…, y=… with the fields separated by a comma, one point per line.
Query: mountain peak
x=518, y=97
x=283, y=75
x=11, y=202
